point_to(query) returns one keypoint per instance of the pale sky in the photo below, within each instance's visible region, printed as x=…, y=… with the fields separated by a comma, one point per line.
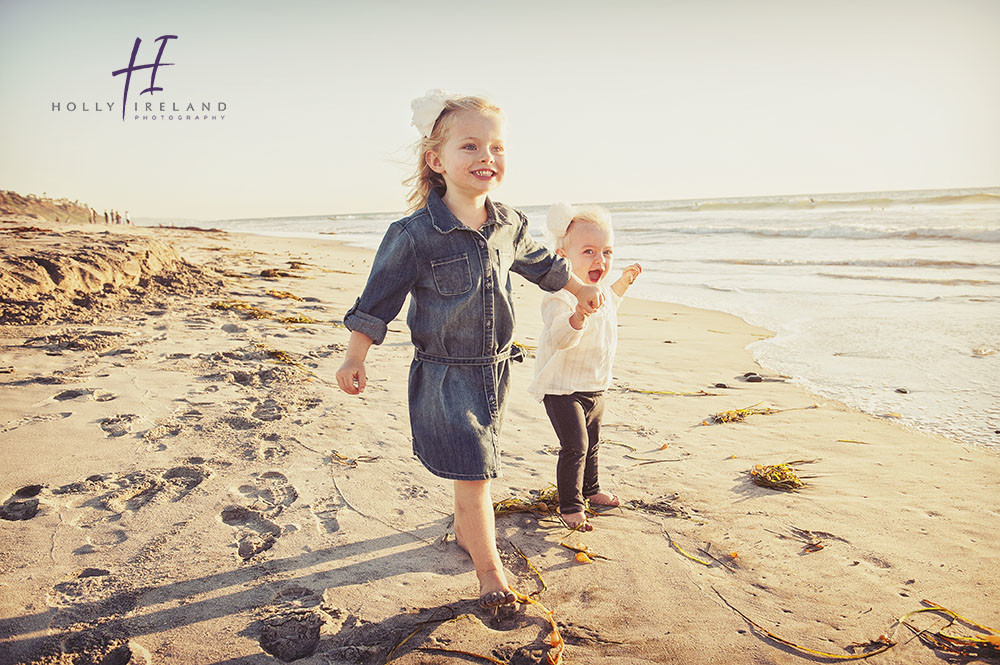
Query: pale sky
x=606, y=101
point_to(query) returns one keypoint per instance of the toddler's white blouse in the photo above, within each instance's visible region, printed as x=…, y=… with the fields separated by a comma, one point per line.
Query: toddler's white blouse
x=570, y=360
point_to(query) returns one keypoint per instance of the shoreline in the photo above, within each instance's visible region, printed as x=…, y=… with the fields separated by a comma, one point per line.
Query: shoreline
x=931, y=402
x=227, y=494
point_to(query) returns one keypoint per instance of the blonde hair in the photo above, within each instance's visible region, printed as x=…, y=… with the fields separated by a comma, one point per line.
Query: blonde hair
x=595, y=215
x=425, y=179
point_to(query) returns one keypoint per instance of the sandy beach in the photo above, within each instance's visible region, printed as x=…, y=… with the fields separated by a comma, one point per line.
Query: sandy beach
x=182, y=482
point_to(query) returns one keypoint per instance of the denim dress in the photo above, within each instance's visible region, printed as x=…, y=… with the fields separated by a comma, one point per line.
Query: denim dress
x=461, y=321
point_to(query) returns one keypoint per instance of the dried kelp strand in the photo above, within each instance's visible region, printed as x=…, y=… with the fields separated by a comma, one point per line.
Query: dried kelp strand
x=968, y=646
x=681, y=550
x=700, y=393
x=727, y=565
x=531, y=566
x=605, y=442
x=581, y=548
x=884, y=645
x=351, y=463
x=417, y=629
x=645, y=460
x=554, y=656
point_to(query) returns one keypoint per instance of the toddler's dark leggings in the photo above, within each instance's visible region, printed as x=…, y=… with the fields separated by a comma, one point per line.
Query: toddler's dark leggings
x=576, y=419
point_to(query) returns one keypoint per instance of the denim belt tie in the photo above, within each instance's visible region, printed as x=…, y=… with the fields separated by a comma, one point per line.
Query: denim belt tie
x=515, y=353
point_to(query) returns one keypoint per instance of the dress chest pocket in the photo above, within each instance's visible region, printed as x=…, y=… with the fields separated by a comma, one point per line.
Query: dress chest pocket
x=452, y=275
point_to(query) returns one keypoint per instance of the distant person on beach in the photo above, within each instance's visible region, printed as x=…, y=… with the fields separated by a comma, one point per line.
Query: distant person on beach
x=575, y=354
x=453, y=255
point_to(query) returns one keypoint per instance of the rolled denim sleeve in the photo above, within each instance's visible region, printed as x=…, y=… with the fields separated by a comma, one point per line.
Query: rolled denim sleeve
x=537, y=263
x=392, y=276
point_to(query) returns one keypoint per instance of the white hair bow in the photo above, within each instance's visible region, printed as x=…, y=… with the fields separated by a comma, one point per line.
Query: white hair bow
x=426, y=109
x=558, y=218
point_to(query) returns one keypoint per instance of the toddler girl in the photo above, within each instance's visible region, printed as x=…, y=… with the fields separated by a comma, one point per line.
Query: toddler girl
x=453, y=256
x=575, y=354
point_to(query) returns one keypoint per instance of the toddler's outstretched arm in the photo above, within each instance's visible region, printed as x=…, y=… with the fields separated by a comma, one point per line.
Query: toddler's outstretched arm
x=629, y=275
x=351, y=376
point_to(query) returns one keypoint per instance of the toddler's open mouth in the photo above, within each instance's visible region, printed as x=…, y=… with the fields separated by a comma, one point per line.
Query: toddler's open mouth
x=595, y=276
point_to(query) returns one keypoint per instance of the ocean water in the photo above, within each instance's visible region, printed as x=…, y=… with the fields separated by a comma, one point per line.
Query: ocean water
x=887, y=301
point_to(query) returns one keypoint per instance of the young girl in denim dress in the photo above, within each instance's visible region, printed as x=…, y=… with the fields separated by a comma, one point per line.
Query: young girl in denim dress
x=453, y=256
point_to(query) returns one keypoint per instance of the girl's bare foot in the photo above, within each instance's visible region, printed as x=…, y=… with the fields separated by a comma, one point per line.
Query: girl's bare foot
x=604, y=499
x=577, y=521
x=493, y=589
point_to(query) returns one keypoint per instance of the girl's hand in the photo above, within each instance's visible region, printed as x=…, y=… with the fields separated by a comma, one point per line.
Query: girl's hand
x=351, y=376
x=579, y=317
x=632, y=273
x=589, y=298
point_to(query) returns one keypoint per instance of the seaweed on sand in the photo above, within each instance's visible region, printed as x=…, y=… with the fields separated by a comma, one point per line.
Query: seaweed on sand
x=739, y=415
x=543, y=501
x=779, y=476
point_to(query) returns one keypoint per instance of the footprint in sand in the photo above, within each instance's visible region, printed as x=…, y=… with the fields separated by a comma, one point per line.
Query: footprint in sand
x=270, y=493
x=269, y=410
x=97, y=340
x=102, y=540
x=241, y=423
x=255, y=533
x=412, y=492
x=133, y=491
x=271, y=448
x=12, y=425
x=89, y=393
x=328, y=350
x=292, y=630
x=325, y=512
x=268, y=496
x=94, y=595
x=72, y=394
x=119, y=425
x=163, y=430
x=90, y=608
x=22, y=504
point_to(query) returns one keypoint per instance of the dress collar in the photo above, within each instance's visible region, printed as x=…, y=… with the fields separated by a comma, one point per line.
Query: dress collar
x=446, y=222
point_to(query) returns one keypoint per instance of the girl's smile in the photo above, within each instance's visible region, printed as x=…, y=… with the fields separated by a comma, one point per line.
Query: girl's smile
x=472, y=158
